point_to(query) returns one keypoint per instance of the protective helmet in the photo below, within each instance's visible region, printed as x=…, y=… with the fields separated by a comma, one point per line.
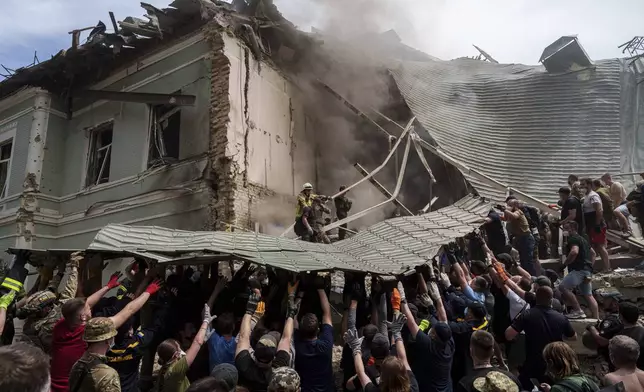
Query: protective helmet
x=36, y=302
x=99, y=329
x=307, y=186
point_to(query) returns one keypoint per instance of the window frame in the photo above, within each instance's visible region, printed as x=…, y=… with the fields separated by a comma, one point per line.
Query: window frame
x=8, y=134
x=92, y=153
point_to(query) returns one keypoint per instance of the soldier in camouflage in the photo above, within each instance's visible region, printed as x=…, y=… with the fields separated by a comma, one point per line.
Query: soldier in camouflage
x=319, y=209
x=284, y=379
x=42, y=309
x=91, y=372
x=342, y=206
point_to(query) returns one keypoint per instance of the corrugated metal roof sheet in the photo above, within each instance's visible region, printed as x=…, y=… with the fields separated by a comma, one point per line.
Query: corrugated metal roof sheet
x=390, y=247
x=516, y=123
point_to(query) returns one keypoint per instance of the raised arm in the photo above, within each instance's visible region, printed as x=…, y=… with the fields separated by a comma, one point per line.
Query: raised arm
x=219, y=287
x=243, y=337
x=134, y=306
x=71, y=286
x=324, y=301
x=395, y=327
x=351, y=339
x=199, y=340
x=291, y=313
x=5, y=302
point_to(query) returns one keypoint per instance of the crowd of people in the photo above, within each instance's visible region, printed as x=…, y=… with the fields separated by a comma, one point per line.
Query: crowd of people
x=482, y=316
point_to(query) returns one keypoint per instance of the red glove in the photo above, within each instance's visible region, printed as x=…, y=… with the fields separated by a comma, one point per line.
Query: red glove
x=114, y=280
x=153, y=287
x=395, y=300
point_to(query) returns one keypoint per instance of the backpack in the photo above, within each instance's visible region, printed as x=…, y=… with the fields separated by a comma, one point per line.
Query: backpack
x=578, y=384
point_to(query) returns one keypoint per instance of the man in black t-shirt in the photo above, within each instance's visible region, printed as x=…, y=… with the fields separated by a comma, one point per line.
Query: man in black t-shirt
x=571, y=209
x=542, y=325
x=496, y=238
x=580, y=268
x=481, y=351
x=475, y=320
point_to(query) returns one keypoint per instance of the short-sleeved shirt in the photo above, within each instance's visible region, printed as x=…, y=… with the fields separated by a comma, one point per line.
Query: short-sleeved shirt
x=97, y=378
x=67, y=347
x=572, y=203
x=413, y=384
x=617, y=193
x=256, y=378
x=221, y=350
x=583, y=260
x=174, y=377
x=313, y=361
x=517, y=304
x=590, y=215
x=542, y=325
x=433, y=364
x=466, y=384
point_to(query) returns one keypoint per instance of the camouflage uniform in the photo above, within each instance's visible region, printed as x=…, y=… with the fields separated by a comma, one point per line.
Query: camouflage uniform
x=284, y=379
x=91, y=372
x=342, y=206
x=318, y=222
x=39, y=331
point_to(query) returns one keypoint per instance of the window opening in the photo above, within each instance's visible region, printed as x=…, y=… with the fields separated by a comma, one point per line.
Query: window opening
x=100, y=154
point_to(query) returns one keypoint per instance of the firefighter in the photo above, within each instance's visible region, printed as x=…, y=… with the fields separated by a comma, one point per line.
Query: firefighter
x=319, y=209
x=304, y=199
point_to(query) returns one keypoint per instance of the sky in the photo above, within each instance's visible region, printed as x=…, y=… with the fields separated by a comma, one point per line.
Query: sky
x=512, y=31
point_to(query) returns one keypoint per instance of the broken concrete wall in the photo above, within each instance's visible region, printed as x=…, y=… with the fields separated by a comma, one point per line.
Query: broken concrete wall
x=269, y=149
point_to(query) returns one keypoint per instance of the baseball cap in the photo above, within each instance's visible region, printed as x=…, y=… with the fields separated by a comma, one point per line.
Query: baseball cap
x=443, y=331
x=227, y=374
x=266, y=348
x=379, y=346
x=284, y=379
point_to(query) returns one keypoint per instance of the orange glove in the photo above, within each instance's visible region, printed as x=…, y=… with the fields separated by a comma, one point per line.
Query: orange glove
x=395, y=300
x=500, y=271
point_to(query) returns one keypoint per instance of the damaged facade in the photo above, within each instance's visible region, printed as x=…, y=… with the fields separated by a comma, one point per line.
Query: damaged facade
x=200, y=131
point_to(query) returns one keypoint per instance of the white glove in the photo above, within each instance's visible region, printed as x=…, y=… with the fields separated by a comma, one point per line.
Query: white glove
x=445, y=280
x=401, y=290
x=425, y=300
x=434, y=293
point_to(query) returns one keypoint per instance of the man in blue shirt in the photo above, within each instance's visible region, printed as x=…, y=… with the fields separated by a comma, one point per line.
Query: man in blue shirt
x=222, y=343
x=314, y=347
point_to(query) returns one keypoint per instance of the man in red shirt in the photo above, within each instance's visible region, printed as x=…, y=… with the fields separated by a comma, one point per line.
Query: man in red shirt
x=67, y=338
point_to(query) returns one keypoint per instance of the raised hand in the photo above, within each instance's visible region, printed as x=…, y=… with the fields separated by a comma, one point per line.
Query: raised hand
x=153, y=287
x=114, y=280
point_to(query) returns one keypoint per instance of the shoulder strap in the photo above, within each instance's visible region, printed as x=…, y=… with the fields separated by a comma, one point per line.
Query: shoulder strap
x=85, y=370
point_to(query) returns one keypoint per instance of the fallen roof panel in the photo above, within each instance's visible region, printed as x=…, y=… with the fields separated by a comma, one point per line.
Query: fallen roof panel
x=389, y=248
x=518, y=124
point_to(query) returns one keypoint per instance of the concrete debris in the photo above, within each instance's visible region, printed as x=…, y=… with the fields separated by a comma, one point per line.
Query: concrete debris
x=564, y=55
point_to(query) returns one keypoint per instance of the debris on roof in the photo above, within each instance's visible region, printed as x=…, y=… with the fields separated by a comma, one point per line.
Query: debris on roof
x=391, y=247
x=564, y=55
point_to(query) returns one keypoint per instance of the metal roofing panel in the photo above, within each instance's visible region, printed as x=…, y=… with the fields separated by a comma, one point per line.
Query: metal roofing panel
x=516, y=123
x=390, y=247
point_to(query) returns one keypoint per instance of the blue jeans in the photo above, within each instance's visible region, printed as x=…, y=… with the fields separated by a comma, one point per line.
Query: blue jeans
x=525, y=246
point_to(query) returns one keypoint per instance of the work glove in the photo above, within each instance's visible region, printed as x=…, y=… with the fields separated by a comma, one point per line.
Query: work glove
x=207, y=317
x=395, y=300
x=75, y=259
x=293, y=307
x=396, y=325
x=292, y=288
x=356, y=291
x=401, y=290
x=352, y=340
x=259, y=311
x=114, y=280
x=7, y=299
x=445, y=280
x=253, y=300
x=434, y=294
x=500, y=271
x=424, y=325
x=426, y=300
x=152, y=287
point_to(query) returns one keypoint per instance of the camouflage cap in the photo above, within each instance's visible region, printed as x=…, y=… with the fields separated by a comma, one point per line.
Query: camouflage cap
x=495, y=382
x=284, y=379
x=99, y=329
x=37, y=302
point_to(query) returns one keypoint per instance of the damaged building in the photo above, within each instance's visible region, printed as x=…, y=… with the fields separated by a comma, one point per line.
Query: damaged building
x=205, y=115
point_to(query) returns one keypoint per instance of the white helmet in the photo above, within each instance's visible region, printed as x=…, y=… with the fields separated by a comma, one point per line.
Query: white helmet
x=307, y=186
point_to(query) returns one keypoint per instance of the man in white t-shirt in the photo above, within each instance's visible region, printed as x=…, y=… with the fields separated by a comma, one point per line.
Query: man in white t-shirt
x=594, y=220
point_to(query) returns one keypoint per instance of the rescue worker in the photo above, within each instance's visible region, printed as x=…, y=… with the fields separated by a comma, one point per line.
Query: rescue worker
x=43, y=309
x=12, y=290
x=91, y=372
x=304, y=199
x=598, y=335
x=130, y=346
x=342, y=207
x=319, y=210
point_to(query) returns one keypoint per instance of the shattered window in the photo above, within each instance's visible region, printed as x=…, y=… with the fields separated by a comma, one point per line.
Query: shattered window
x=165, y=127
x=5, y=160
x=100, y=154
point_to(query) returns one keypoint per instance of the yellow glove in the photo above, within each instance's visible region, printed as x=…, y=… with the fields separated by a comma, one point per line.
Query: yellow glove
x=7, y=299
